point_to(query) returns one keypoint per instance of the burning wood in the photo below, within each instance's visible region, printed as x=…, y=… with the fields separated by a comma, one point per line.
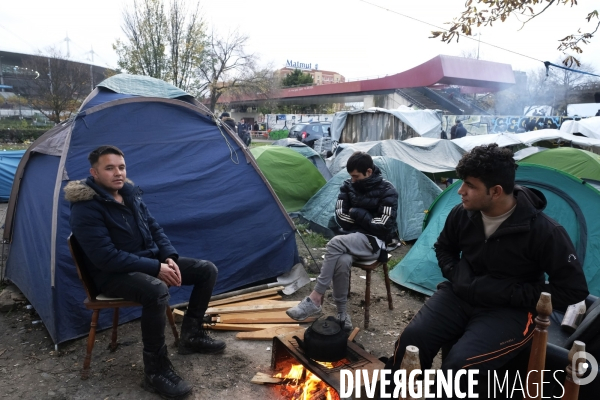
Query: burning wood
x=304, y=385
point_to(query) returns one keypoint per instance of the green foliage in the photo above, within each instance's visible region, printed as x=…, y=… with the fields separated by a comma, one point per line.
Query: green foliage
x=311, y=238
x=20, y=135
x=297, y=78
x=280, y=134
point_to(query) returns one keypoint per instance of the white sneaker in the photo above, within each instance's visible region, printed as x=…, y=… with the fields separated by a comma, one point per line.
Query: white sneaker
x=304, y=310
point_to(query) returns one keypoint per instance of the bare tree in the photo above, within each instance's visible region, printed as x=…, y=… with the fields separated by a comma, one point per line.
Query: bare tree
x=162, y=45
x=228, y=68
x=566, y=81
x=57, y=86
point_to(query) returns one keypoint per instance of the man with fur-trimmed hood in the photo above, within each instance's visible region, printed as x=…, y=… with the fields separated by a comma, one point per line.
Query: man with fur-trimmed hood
x=129, y=256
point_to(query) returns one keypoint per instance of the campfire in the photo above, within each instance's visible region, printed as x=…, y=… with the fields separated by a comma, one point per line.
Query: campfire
x=301, y=384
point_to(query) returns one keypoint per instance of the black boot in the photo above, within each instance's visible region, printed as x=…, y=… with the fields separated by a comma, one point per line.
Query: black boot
x=195, y=339
x=160, y=377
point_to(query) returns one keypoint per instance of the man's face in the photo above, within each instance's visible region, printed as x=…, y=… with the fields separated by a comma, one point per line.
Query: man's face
x=359, y=176
x=475, y=196
x=110, y=172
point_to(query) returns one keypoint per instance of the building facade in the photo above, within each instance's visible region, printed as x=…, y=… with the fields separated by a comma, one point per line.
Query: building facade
x=320, y=77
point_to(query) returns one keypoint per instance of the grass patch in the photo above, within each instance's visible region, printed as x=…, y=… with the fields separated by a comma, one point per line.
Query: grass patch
x=14, y=146
x=311, y=238
x=395, y=260
x=258, y=144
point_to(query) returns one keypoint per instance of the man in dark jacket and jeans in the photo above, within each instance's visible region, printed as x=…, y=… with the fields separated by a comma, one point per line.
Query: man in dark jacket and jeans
x=130, y=257
x=493, y=250
x=366, y=208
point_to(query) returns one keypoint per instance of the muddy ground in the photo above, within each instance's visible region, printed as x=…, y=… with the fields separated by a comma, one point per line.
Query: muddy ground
x=30, y=368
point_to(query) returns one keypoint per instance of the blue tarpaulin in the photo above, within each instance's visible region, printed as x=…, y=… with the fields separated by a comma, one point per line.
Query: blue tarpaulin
x=9, y=160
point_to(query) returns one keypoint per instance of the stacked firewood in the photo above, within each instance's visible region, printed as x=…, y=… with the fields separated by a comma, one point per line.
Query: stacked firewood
x=258, y=315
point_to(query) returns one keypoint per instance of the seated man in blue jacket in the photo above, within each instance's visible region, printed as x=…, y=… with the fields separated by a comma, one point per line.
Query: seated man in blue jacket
x=129, y=256
x=366, y=208
x=493, y=250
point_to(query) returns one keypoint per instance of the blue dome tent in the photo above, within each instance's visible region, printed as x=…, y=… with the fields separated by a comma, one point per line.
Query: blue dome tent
x=199, y=181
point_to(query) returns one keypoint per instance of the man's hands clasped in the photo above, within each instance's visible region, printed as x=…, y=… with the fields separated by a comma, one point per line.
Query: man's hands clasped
x=169, y=273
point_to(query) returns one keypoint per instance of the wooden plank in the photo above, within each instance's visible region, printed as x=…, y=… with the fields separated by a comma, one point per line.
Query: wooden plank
x=261, y=378
x=244, y=327
x=281, y=305
x=178, y=315
x=353, y=334
x=264, y=317
x=263, y=300
x=247, y=296
x=266, y=334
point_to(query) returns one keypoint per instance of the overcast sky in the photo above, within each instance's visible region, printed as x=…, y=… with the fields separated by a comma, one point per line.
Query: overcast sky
x=352, y=37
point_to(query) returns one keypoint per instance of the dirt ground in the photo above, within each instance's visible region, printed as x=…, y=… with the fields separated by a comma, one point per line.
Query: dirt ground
x=31, y=368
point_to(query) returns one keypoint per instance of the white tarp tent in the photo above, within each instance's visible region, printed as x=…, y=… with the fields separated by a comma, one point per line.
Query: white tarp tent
x=527, y=139
x=589, y=127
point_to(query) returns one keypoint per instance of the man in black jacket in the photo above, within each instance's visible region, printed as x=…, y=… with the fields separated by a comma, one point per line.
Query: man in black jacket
x=130, y=257
x=493, y=250
x=366, y=209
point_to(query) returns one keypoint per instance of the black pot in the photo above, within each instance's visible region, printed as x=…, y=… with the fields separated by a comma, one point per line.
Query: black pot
x=324, y=340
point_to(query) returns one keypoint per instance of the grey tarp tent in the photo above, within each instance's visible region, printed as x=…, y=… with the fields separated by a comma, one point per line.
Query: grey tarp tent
x=424, y=154
x=380, y=123
x=415, y=192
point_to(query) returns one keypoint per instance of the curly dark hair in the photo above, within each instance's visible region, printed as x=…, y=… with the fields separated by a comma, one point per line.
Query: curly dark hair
x=491, y=164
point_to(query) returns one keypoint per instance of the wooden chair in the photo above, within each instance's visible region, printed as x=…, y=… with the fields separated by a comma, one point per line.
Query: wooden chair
x=368, y=268
x=96, y=301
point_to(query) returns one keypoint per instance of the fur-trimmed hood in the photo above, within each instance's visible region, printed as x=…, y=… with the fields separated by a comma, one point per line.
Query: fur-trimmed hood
x=77, y=191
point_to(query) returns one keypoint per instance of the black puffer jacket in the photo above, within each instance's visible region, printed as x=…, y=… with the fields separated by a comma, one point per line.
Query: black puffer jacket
x=507, y=269
x=115, y=237
x=369, y=206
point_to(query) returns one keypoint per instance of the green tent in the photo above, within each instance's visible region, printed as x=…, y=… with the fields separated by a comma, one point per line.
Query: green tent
x=580, y=163
x=571, y=202
x=293, y=177
x=415, y=193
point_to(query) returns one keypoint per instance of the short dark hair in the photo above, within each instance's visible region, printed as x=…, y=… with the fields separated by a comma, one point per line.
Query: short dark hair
x=359, y=161
x=102, y=150
x=491, y=164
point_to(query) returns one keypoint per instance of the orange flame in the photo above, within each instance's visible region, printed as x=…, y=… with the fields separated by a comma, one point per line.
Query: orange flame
x=311, y=388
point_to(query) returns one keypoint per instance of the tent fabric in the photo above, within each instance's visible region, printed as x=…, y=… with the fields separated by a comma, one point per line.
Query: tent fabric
x=426, y=155
x=527, y=151
x=589, y=127
x=579, y=163
x=9, y=161
x=571, y=202
x=426, y=123
x=293, y=177
x=415, y=193
x=138, y=85
x=199, y=182
x=526, y=138
x=307, y=152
